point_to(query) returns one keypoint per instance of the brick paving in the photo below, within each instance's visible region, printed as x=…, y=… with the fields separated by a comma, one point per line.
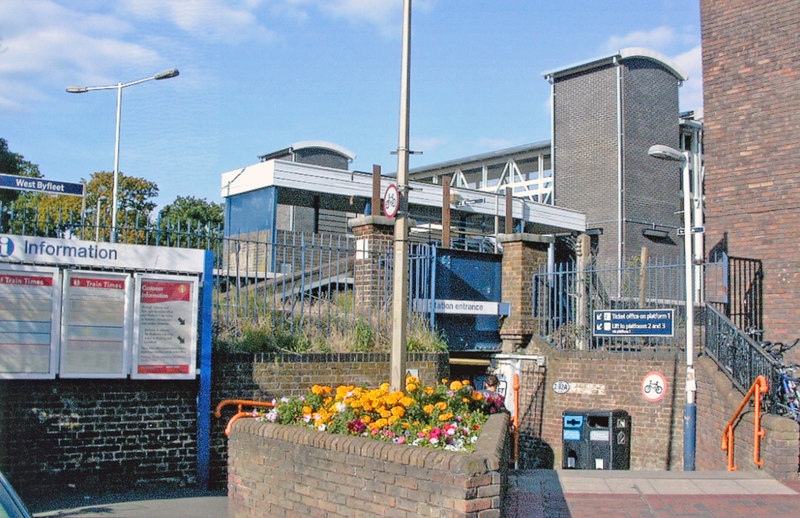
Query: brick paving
x=549, y=494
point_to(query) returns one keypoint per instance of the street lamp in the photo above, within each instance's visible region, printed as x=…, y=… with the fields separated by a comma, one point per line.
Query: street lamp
x=100, y=199
x=167, y=74
x=690, y=409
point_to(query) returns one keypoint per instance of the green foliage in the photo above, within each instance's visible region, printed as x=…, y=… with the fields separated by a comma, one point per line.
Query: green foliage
x=198, y=211
x=14, y=164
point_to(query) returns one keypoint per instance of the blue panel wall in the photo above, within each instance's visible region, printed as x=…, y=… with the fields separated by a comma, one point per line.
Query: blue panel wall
x=251, y=212
x=463, y=275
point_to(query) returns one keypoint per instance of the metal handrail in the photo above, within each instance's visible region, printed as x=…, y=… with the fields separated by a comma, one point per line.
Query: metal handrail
x=239, y=413
x=759, y=387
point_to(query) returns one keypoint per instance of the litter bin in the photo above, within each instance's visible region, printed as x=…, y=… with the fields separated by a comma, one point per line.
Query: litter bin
x=596, y=439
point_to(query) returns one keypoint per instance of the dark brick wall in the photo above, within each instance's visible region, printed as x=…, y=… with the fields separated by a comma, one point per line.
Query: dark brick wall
x=282, y=471
x=585, y=141
x=652, y=187
x=97, y=432
x=585, y=151
x=751, y=80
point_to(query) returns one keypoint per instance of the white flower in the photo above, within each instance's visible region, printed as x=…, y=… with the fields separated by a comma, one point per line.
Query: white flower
x=321, y=428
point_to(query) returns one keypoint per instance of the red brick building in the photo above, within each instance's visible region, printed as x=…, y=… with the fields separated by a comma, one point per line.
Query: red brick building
x=751, y=68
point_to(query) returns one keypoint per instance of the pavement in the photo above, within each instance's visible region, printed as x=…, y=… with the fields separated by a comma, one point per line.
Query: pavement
x=650, y=494
x=533, y=494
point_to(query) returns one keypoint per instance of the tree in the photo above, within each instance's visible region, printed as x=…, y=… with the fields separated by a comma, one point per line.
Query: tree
x=14, y=164
x=198, y=211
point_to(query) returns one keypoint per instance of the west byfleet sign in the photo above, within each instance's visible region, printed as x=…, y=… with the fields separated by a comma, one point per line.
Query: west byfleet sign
x=25, y=183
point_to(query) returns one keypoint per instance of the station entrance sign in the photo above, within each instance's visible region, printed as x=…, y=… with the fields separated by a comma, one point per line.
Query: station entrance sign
x=633, y=322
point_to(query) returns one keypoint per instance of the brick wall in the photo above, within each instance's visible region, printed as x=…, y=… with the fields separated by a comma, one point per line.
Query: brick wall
x=123, y=432
x=601, y=381
x=280, y=471
x=751, y=76
x=717, y=400
x=97, y=432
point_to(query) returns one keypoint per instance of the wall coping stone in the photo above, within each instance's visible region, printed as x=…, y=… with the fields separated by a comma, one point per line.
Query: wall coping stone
x=525, y=238
x=360, y=221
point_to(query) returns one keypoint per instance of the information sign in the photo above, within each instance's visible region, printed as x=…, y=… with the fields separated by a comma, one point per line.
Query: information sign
x=165, y=326
x=95, y=341
x=633, y=322
x=463, y=307
x=29, y=315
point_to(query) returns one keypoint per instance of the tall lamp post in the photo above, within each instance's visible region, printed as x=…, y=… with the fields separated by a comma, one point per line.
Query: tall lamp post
x=167, y=74
x=100, y=199
x=690, y=409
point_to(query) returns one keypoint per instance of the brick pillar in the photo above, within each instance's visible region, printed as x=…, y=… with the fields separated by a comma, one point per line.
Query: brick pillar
x=522, y=255
x=373, y=280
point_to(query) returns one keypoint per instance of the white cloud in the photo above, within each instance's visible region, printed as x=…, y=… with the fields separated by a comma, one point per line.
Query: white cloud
x=691, y=92
x=427, y=144
x=657, y=38
x=219, y=20
x=668, y=41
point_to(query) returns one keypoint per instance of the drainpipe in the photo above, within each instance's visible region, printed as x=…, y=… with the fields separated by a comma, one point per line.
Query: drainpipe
x=621, y=187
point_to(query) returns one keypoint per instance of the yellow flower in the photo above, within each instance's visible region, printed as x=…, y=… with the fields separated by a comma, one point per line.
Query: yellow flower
x=398, y=411
x=392, y=420
x=456, y=385
x=429, y=390
x=411, y=387
x=407, y=401
x=441, y=405
x=465, y=382
x=316, y=390
x=307, y=410
x=366, y=419
x=465, y=400
x=428, y=409
x=445, y=417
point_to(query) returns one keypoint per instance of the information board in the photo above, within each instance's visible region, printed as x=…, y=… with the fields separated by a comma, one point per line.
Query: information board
x=29, y=316
x=633, y=322
x=95, y=336
x=165, y=326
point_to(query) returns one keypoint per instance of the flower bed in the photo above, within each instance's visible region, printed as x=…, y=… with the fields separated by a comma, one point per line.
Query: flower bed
x=448, y=415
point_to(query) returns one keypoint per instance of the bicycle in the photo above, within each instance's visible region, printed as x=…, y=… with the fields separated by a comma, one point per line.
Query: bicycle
x=789, y=396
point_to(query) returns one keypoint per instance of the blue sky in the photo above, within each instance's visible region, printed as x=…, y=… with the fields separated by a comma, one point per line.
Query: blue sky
x=258, y=75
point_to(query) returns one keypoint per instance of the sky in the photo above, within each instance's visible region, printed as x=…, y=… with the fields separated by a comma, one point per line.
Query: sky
x=259, y=75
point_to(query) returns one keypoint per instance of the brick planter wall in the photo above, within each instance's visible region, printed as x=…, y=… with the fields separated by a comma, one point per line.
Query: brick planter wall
x=601, y=381
x=717, y=400
x=280, y=471
x=262, y=377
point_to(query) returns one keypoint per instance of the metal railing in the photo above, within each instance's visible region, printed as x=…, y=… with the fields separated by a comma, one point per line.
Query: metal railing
x=739, y=356
x=565, y=298
x=290, y=279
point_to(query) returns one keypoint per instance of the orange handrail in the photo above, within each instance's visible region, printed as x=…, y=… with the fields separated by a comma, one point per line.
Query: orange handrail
x=515, y=420
x=239, y=413
x=760, y=387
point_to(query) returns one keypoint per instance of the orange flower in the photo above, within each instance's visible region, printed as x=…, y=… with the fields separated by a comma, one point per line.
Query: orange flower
x=456, y=385
x=477, y=396
x=428, y=409
x=307, y=410
x=441, y=405
x=398, y=411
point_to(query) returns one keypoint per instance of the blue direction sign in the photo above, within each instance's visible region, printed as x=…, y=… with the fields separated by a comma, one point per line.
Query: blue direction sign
x=25, y=183
x=633, y=322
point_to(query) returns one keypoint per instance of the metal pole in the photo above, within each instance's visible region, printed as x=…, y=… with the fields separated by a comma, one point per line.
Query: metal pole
x=690, y=410
x=400, y=278
x=115, y=189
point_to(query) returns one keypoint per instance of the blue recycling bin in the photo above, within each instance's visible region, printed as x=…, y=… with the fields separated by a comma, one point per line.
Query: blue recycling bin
x=596, y=439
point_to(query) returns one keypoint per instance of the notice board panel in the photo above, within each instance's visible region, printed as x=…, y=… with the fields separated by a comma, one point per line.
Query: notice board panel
x=29, y=321
x=165, y=326
x=95, y=325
